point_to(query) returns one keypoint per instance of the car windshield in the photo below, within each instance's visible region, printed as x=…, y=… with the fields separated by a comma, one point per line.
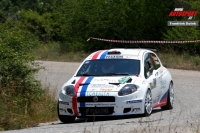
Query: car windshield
x=109, y=67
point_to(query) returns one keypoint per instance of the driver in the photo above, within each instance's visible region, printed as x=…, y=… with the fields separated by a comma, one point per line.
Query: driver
x=108, y=67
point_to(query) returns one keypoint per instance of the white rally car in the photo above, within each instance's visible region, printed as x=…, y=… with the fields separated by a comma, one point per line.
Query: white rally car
x=116, y=82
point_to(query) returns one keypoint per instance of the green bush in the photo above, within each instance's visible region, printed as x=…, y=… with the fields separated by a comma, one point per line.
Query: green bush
x=19, y=90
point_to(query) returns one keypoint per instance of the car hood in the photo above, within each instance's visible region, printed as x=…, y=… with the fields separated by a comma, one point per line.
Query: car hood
x=101, y=83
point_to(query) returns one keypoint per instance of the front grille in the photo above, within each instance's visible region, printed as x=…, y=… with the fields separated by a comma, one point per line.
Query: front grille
x=96, y=110
x=100, y=99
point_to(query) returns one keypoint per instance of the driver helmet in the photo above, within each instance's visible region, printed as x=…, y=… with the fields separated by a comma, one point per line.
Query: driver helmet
x=107, y=68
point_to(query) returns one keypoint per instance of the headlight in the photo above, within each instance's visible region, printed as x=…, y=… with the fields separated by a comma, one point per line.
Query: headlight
x=127, y=89
x=69, y=90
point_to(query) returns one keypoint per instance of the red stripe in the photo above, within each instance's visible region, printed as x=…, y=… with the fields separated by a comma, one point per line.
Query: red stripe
x=96, y=54
x=74, y=98
x=161, y=103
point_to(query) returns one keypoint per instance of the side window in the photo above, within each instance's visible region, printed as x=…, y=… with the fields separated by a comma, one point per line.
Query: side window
x=155, y=61
x=149, y=65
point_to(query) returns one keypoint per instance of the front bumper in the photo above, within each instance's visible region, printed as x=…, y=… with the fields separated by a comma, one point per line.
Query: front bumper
x=112, y=105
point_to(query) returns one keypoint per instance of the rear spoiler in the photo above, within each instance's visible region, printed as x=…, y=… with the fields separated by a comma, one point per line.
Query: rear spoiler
x=148, y=48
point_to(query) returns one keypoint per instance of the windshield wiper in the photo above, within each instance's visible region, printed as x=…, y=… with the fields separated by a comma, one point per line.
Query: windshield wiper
x=114, y=74
x=85, y=74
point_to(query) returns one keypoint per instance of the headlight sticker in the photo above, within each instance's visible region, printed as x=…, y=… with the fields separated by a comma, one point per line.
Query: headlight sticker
x=133, y=101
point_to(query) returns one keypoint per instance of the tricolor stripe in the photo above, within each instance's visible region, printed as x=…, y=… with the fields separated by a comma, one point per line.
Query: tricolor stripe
x=164, y=98
x=74, y=98
x=84, y=89
x=162, y=102
x=104, y=54
x=96, y=55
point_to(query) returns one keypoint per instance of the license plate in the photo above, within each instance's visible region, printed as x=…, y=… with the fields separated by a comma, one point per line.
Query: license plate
x=97, y=111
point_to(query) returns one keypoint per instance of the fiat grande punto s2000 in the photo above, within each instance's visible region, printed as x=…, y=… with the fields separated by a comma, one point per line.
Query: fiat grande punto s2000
x=115, y=82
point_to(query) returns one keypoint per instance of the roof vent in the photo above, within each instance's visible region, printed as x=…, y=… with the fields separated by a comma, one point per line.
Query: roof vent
x=114, y=52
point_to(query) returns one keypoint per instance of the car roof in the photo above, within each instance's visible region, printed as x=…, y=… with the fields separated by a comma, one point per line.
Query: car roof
x=129, y=53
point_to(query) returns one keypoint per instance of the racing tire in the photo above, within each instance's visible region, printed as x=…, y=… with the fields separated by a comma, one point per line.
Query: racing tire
x=148, y=104
x=65, y=118
x=170, y=98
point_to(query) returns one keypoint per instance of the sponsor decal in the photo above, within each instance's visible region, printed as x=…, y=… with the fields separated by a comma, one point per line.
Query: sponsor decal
x=100, y=104
x=106, y=80
x=62, y=102
x=153, y=84
x=129, y=56
x=105, y=89
x=113, y=56
x=107, y=86
x=162, y=69
x=124, y=80
x=97, y=93
x=163, y=84
x=133, y=101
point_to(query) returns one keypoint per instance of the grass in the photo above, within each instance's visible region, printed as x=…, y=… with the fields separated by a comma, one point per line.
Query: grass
x=52, y=53
x=170, y=59
x=15, y=116
x=180, y=61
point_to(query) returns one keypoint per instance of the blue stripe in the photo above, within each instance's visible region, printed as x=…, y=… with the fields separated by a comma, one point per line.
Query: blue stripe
x=104, y=54
x=164, y=96
x=84, y=89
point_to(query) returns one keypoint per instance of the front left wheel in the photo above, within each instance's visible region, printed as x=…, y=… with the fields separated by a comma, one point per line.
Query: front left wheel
x=65, y=118
x=148, y=104
x=170, y=98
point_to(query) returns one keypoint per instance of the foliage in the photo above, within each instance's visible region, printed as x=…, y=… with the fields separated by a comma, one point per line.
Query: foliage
x=186, y=33
x=19, y=90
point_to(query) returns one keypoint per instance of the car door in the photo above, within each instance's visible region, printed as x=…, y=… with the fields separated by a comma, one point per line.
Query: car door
x=152, y=76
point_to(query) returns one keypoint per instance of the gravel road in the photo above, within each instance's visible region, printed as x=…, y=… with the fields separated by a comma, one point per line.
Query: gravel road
x=184, y=118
